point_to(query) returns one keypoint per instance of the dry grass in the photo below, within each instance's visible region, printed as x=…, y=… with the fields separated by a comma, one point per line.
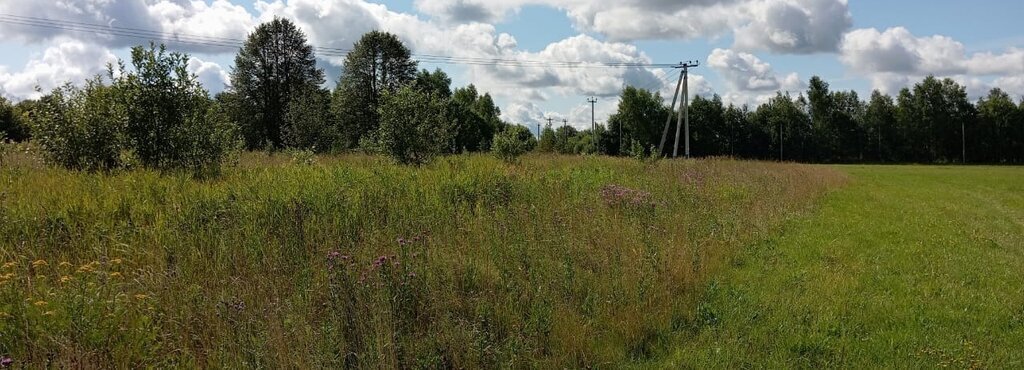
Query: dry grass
x=352, y=261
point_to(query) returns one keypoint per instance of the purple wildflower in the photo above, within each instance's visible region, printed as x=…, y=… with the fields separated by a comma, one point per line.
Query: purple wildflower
x=6, y=361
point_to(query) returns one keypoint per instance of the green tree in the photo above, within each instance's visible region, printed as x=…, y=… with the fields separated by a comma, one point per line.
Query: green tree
x=993, y=137
x=309, y=122
x=378, y=64
x=171, y=120
x=640, y=116
x=274, y=66
x=709, y=135
x=548, y=142
x=81, y=128
x=478, y=119
x=880, y=123
x=13, y=124
x=436, y=82
x=414, y=126
x=512, y=142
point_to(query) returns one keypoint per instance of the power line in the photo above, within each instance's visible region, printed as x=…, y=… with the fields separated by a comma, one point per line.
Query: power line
x=222, y=42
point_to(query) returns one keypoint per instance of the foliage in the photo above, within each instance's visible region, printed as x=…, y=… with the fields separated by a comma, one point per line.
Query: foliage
x=13, y=120
x=436, y=82
x=275, y=66
x=640, y=116
x=309, y=122
x=82, y=128
x=477, y=118
x=355, y=262
x=378, y=64
x=513, y=142
x=414, y=127
x=548, y=142
x=171, y=121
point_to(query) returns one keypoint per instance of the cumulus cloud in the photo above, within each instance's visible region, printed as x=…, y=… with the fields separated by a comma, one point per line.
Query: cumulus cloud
x=895, y=58
x=210, y=74
x=785, y=26
x=66, y=61
x=795, y=26
x=746, y=72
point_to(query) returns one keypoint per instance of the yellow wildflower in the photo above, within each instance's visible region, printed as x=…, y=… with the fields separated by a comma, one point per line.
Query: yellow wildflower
x=115, y=274
x=65, y=279
x=40, y=303
x=39, y=263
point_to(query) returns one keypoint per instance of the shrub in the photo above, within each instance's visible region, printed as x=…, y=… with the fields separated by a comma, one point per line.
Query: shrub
x=172, y=123
x=414, y=126
x=12, y=122
x=510, y=143
x=81, y=128
x=309, y=123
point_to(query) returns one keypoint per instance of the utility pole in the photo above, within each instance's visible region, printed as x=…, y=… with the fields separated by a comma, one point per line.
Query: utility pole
x=963, y=138
x=668, y=120
x=593, y=122
x=684, y=109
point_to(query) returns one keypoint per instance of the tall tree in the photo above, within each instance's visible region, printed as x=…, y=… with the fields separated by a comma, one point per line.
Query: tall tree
x=378, y=63
x=274, y=66
x=994, y=135
x=640, y=116
x=436, y=82
x=880, y=122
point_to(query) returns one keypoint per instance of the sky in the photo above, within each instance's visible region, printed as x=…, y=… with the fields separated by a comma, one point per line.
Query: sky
x=747, y=49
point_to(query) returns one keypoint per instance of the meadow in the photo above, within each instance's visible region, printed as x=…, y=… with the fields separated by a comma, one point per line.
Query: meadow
x=904, y=267
x=352, y=261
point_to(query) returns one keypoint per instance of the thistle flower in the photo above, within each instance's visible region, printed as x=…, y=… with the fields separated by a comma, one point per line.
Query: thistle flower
x=6, y=361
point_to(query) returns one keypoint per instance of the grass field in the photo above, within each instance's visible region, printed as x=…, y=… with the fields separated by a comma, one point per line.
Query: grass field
x=466, y=263
x=905, y=267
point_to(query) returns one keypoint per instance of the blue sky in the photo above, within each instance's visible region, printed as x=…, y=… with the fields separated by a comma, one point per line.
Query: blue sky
x=749, y=49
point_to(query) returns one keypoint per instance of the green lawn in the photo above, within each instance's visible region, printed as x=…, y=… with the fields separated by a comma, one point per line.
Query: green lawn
x=906, y=266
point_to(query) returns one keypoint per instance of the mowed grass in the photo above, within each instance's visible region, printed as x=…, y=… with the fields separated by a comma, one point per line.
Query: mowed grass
x=906, y=267
x=355, y=262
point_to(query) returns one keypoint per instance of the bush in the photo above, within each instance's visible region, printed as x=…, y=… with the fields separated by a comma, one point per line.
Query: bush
x=309, y=123
x=414, y=126
x=510, y=143
x=157, y=116
x=172, y=123
x=12, y=122
x=81, y=128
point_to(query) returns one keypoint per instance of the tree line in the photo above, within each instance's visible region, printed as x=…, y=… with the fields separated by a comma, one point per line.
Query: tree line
x=155, y=114
x=932, y=122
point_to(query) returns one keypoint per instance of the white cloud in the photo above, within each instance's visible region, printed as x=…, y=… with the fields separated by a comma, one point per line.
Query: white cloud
x=66, y=61
x=795, y=26
x=210, y=74
x=786, y=26
x=745, y=72
x=896, y=58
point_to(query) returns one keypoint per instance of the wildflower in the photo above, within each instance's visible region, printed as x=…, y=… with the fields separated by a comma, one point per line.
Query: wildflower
x=65, y=278
x=10, y=265
x=115, y=274
x=40, y=303
x=39, y=263
x=6, y=361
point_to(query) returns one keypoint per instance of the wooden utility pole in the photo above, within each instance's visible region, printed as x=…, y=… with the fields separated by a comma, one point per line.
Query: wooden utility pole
x=593, y=121
x=684, y=109
x=668, y=120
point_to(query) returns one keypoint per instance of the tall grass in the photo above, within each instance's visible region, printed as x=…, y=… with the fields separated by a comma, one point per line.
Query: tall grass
x=352, y=261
